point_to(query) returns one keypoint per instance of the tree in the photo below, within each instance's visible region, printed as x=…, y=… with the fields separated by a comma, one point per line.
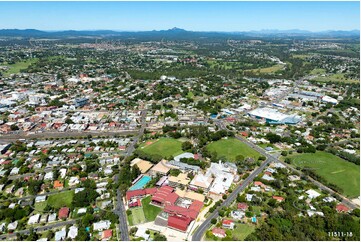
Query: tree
x=160, y=237
x=82, y=235
x=84, y=198
x=14, y=127
x=187, y=146
x=284, y=153
x=273, y=138
x=213, y=221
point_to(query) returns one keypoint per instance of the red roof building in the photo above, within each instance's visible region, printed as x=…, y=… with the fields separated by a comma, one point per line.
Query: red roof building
x=135, y=193
x=279, y=199
x=63, y=213
x=341, y=208
x=220, y=233
x=259, y=184
x=58, y=184
x=242, y=206
x=162, y=195
x=107, y=234
x=227, y=223
x=179, y=223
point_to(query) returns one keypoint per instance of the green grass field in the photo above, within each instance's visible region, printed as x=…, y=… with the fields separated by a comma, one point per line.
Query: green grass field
x=190, y=95
x=61, y=199
x=301, y=56
x=335, y=170
x=164, y=146
x=318, y=71
x=271, y=69
x=138, y=216
x=150, y=211
x=130, y=219
x=241, y=231
x=17, y=67
x=230, y=148
x=39, y=207
x=338, y=77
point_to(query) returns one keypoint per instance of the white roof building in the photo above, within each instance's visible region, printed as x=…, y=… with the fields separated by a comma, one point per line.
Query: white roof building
x=73, y=232
x=329, y=199
x=62, y=172
x=311, y=213
x=223, y=177
x=49, y=176
x=101, y=225
x=13, y=225
x=51, y=217
x=249, y=197
x=40, y=198
x=267, y=177
x=60, y=235
x=81, y=210
x=34, y=219
x=329, y=99
x=312, y=194
x=78, y=189
x=15, y=171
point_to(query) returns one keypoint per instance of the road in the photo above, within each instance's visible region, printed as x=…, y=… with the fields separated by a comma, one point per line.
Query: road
x=120, y=208
x=39, y=229
x=68, y=134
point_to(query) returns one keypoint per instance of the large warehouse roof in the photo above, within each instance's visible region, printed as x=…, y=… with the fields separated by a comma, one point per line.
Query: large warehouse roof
x=274, y=116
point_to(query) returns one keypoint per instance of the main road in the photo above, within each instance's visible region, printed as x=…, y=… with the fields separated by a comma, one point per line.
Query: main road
x=120, y=208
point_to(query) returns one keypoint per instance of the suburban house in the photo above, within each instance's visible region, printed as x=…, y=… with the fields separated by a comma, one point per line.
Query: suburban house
x=218, y=232
x=63, y=213
x=228, y=224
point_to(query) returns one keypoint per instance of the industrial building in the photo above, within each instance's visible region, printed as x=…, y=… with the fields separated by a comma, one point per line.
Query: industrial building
x=80, y=102
x=273, y=116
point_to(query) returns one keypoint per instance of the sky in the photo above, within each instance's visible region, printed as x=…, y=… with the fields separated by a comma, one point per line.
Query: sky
x=195, y=16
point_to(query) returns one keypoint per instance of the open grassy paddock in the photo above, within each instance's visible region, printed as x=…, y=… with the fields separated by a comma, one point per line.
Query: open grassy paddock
x=61, y=199
x=39, y=206
x=335, y=170
x=241, y=231
x=271, y=69
x=164, y=146
x=338, y=77
x=230, y=148
x=17, y=67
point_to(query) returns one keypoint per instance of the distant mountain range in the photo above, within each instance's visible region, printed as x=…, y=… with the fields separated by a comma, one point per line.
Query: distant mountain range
x=172, y=33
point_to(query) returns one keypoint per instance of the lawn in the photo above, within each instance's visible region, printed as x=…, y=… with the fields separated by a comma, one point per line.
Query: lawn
x=150, y=211
x=338, y=77
x=271, y=69
x=318, y=71
x=241, y=231
x=190, y=95
x=164, y=146
x=61, y=199
x=39, y=207
x=130, y=219
x=137, y=216
x=230, y=148
x=18, y=66
x=335, y=170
